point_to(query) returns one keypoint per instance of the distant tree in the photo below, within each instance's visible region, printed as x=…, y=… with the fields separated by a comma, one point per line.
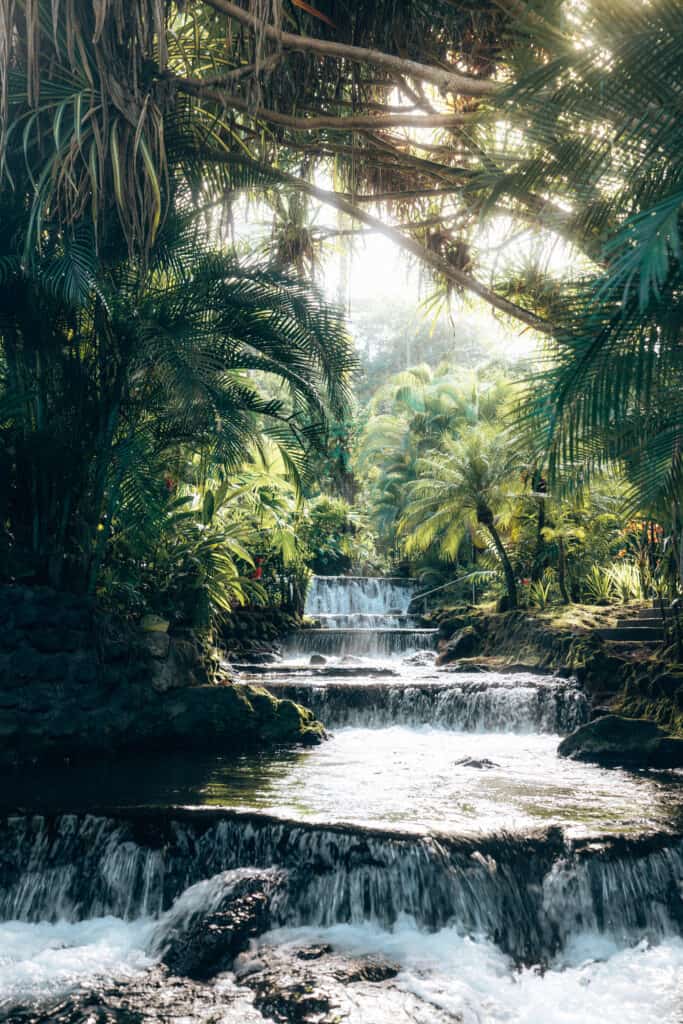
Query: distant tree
x=463, y=488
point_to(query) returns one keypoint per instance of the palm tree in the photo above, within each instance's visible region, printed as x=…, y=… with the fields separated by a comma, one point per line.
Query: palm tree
x=413, y=413
x=600, y=129
x=464, y=488
x=112, y=371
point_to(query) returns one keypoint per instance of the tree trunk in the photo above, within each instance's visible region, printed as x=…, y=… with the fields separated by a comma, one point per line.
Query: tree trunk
x=510, y=584
x=562, y=571
x=537, y=572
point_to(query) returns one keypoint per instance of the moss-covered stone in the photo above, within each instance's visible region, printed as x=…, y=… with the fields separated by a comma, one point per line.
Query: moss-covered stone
x=115, y=689
x=635, y=683
x=614, y=740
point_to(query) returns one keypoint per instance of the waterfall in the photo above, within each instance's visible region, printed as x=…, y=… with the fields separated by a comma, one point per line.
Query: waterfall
x=529, y=894
x=361, y=642
x=368, y=595
x=522, y=703
x=361, y=615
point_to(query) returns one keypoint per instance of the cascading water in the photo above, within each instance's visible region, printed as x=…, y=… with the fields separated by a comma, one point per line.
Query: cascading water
x=498, y=703
x=359, y=595
x=437, y=827
x=361, y=616
x=531, y=894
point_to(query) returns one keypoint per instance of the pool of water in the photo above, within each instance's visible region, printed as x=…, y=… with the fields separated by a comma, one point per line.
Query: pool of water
x=399, y=777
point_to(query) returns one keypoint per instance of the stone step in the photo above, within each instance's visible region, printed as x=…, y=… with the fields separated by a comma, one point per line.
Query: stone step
x=651, y=622
x=642, y=634
x=647, y=613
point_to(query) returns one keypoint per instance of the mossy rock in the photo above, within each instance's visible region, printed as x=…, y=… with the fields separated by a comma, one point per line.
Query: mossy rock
x=617, y=741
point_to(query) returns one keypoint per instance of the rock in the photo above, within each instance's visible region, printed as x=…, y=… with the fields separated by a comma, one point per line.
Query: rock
x=263, y=657
x=420, y=658
x=156, y=997
x=157, y=644
x=51, y=640
x=465, y=644
x=112, y=689
x=448, y=626
x=209, y=942
x=316, y=985
x=614, y=741
x=473, y=762
x=318, y=659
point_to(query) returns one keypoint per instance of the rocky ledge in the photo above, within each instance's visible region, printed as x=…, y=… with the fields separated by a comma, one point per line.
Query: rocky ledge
x=613, y=741
x=76, y=685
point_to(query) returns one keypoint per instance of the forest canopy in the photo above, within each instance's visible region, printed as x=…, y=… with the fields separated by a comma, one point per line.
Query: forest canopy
x=182, y=404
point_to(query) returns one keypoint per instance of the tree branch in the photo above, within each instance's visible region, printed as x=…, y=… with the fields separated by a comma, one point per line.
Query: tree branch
x=432, y=259
x=361, y=122
x=452, y=81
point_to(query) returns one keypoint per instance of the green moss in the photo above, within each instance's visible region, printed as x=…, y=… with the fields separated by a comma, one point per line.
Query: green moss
x=280, y=721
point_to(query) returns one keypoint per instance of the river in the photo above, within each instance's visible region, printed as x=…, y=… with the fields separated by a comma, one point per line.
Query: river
x=436, y=829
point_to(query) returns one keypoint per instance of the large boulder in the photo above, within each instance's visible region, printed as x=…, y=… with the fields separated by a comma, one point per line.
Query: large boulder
x=614, y=741
x=76, y=683
x=464, y=644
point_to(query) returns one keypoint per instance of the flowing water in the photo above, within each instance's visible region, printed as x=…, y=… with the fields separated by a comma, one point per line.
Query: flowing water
x=436, y=827
x=357, y=615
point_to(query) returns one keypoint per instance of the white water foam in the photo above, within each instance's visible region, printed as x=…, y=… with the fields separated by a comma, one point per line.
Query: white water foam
x=593, y=982
x=42, y=961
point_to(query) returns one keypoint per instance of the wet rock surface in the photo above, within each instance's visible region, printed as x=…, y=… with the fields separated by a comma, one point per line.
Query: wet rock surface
x=464, y=644
x=209, y=941
x=316, y=985
x=156, y=998
x=613, y=741
x=286, y=985
x=473, y=762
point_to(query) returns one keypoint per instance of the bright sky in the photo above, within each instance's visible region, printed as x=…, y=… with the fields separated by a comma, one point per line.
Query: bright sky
x=378, y=271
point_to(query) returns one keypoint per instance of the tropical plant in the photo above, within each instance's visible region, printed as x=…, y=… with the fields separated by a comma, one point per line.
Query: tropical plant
x=601, y=132
x=193, y=574
x=327, y=529
x=541, y=591
x=111, y=373
x=410, y=416
x=464, y=489
x=564, y=535
x=626, y=582
x=598, y=585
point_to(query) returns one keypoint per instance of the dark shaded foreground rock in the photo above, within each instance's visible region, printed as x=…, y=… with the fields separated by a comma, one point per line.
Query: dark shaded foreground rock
x=77, y=723
x=315, y=985
x=613, y=741
x=207, y=942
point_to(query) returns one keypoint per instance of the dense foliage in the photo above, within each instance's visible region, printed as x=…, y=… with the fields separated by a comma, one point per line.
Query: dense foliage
x=178, y=432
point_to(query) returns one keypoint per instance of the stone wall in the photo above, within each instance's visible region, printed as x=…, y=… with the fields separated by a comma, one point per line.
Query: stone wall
x=74, y=684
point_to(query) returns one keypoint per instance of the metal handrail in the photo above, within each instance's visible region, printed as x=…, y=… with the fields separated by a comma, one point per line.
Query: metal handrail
x=451, y=583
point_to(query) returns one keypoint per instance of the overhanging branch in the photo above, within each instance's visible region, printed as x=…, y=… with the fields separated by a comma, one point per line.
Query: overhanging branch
x=361, y=122
x=432, y=259
x=451, y=81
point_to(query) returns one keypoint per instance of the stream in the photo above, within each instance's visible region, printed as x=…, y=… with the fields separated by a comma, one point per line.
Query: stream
x=433, y=861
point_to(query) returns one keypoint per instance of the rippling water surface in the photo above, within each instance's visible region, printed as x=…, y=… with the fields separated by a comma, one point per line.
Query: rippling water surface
x=479, y=760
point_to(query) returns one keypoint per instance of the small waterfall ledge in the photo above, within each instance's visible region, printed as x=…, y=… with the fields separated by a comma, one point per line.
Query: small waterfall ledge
x=362, y=616
x=527, y=704
x=529, y=894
